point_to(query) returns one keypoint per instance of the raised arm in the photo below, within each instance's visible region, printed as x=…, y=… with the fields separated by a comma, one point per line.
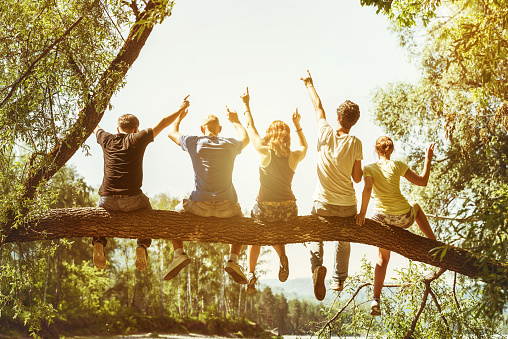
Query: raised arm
x=258, y=142
x=300, y=153
x=367, y=190
x=97, y=128
x=174, y=128
x=423, y=178
x=242, y=133
x=318, y=107
x=167, y=120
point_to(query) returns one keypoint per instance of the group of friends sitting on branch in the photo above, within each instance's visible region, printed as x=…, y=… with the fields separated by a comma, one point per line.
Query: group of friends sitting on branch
x=338, y=165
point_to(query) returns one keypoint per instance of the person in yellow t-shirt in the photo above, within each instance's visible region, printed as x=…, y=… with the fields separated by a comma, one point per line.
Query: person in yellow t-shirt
x=391, y=207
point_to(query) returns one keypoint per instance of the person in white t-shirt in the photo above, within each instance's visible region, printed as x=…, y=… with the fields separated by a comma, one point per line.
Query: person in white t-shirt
x=339, y=160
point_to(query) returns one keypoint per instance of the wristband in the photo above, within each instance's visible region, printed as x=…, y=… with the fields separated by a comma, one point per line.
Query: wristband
x=299, y=130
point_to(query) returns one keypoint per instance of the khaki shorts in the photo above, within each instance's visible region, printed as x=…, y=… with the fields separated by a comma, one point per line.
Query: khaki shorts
x=219, y=209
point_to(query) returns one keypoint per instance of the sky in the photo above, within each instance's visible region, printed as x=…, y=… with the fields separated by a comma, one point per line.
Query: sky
x=212, y=50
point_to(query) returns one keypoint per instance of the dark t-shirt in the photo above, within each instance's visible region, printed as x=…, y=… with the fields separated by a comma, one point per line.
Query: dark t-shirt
x=123, y=161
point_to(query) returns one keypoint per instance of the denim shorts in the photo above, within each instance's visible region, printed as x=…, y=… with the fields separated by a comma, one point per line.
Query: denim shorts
x=402, y=221
x=125, y=203
x=219, y=209
x=268, y=211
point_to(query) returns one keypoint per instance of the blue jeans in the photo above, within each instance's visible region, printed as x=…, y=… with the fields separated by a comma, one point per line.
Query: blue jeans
x=124, y=203
x=342, y=248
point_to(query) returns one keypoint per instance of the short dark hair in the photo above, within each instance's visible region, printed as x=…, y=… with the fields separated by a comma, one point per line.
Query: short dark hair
x=128, y=122
x=348, y=114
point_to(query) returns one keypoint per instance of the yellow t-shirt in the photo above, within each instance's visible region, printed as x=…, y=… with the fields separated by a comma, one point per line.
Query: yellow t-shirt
x=336, y=157
x=386, y=186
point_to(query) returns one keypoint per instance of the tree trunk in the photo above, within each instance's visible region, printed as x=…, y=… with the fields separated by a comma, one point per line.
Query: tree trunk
x=94, y=108
x=155, y=224
x=161, y=279
x=58, y=276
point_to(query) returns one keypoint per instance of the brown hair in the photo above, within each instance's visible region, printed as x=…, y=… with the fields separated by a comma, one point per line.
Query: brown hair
x=278, y=138
x=348, y=114
x=384, y=146
x=128, y=122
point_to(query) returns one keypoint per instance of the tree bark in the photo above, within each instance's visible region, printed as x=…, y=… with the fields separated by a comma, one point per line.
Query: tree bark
x=156, y=224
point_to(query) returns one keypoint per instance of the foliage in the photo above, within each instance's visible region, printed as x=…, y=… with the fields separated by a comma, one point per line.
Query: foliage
x=450, y=313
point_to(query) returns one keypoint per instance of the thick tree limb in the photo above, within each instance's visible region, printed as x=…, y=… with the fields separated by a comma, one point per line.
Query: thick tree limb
x=87, y=222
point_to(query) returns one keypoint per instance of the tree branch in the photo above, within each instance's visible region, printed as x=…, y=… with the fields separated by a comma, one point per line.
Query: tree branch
x=452, y=218
x=95, y=107
x=427, y=280
x=438, y=306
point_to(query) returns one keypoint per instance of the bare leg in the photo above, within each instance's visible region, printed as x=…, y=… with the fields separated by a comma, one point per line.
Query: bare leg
x=380, y=271
x=235, y=249
x=252, y=257
x=177, y=244
x=422, y=222
x=280, y=249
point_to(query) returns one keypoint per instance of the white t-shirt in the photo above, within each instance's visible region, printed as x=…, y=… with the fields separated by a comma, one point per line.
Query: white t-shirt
x=336, y=157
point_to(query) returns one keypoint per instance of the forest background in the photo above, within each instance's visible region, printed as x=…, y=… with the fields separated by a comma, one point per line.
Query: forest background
x=455, y=96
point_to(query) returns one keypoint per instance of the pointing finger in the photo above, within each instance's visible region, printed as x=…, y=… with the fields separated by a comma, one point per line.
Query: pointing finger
x=185, y=99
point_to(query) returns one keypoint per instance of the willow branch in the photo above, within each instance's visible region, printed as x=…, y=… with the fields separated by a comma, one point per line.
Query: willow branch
x=16, y=83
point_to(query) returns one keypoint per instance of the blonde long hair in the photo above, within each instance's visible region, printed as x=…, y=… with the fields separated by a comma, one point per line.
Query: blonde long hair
x=278, y=138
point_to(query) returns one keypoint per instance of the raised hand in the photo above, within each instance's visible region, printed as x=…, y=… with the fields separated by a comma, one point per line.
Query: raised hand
x=232, y=116
x=183, y=114
x=307, y=80
x=245, y=97
x=184, y=105
x=429, y=151
x=296, y=119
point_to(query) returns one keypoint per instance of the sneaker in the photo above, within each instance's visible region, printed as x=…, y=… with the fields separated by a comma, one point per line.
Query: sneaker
x=251, y=283
x=176, y=266
x=98, y=256
x=236, y=272
x=375, y=307
x=141, y=258
x=337, y=285
x=318, y=278
x=283, y=268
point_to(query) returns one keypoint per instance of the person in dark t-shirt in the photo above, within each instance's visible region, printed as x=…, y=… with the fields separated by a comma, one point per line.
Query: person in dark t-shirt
x=123, y=174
